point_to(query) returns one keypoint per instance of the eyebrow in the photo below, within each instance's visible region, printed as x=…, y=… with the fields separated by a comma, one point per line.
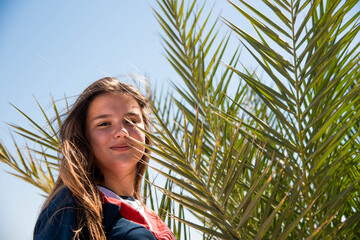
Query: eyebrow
x=130, y=114
x=101, y=116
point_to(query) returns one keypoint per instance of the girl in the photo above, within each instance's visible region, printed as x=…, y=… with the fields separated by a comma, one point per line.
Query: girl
x=98, y=190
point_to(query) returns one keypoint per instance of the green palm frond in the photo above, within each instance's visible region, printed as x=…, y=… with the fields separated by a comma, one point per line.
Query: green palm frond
x=308, y=118
x=240, y=154
x=37, y=165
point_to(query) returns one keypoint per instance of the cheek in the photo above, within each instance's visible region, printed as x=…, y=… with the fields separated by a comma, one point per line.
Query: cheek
x=96, y=140
x=136, y=133
x=142, y=136
x=139, y=136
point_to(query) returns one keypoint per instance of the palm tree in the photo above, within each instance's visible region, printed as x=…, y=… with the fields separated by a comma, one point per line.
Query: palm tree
x=258, y=161
x=266, y=154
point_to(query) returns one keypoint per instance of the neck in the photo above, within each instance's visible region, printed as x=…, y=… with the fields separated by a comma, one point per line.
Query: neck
x=122, y=187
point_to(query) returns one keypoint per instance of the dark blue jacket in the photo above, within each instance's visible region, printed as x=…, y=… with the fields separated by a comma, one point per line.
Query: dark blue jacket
x=59, y=220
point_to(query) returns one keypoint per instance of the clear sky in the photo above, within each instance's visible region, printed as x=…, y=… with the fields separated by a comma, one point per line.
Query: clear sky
x=59, y=47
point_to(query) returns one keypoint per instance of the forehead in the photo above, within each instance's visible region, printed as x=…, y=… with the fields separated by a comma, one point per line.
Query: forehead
x=113, y=103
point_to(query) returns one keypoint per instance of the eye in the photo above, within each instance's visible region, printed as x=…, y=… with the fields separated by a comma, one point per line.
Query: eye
x=104, y=124
x=131, y=121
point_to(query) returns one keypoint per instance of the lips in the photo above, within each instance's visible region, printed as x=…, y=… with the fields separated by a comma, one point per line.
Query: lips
x=120, y=147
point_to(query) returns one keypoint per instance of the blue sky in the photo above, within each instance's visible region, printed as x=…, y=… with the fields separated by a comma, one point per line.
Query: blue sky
x=57, y=48
x=60, y=47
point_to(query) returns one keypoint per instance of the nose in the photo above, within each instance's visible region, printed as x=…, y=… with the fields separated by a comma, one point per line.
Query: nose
x=121, y=132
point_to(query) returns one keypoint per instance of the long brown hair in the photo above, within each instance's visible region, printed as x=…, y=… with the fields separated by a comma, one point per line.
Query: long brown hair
x=78, y=170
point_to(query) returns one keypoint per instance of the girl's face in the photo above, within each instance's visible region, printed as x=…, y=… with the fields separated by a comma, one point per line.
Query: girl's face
x=110, y=125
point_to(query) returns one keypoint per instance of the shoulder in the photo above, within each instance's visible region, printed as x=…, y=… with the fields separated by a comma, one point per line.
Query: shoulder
x=120, y=228
x=160, y=229
x=58, y=219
